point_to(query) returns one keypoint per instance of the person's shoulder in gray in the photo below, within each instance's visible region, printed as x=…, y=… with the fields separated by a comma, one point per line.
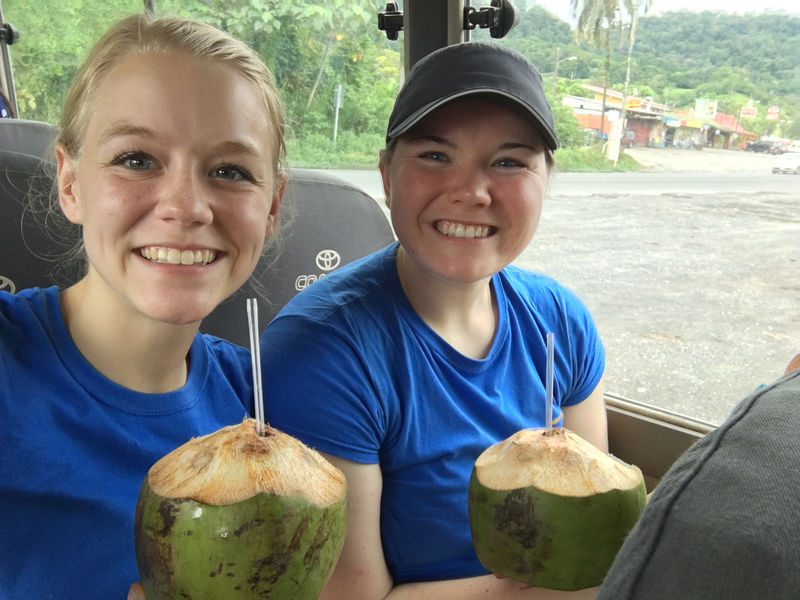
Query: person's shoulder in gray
x=725, y=520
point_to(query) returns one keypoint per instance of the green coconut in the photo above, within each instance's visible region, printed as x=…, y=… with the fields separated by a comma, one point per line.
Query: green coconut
x=235, y=514
x=552, y=510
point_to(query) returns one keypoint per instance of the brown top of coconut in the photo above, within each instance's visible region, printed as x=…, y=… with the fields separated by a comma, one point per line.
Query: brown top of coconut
x=235, y=463
x=561, y=463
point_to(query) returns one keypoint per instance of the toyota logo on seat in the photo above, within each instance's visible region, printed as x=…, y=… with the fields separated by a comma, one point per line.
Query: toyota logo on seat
x=328, y=260
x=7, y=285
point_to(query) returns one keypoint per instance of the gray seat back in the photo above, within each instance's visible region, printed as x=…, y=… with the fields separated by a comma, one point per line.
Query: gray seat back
x=26, y=137
x=29, y=257
x=329, y=223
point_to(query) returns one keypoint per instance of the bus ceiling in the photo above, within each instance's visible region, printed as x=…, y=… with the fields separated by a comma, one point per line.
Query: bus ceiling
x=428, y=26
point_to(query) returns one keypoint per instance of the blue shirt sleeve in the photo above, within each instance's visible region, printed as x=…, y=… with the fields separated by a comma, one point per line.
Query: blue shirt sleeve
x=317, y=388
x=587, y=355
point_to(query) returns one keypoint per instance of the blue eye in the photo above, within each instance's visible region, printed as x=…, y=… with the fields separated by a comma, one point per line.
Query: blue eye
x=232, y=172
x=136, y=161
x=508, y=162
x=434, y=155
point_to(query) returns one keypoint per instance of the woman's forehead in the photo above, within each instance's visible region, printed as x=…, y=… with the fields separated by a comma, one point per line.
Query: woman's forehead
x=470, y=112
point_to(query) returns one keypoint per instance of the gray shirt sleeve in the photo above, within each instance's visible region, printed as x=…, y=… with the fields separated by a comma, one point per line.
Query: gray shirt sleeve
x=724, y=522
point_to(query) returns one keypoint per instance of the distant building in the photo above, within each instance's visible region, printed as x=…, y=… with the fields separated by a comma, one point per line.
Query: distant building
x=655, y=124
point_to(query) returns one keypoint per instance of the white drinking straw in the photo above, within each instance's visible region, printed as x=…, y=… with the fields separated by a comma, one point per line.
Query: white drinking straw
x=549, y=380
x=255, y=359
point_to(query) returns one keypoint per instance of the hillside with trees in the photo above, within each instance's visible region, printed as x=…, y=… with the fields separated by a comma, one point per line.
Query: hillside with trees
x=681, y=56
x=312, y=46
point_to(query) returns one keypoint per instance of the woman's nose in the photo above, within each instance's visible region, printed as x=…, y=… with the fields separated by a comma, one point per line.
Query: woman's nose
x=470, y=186
x=184, y=197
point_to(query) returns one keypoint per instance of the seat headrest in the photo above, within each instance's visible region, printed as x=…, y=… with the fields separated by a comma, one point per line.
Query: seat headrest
x=26, y=137
x=329, y=223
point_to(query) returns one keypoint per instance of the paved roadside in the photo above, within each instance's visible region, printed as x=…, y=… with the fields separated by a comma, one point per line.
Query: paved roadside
x=707, y=160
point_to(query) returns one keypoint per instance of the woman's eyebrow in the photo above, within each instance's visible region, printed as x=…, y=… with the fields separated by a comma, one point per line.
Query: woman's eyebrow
x=515, y=145
x=437, y=139
x=238, y=147
x=125, y=129
x=425, y=137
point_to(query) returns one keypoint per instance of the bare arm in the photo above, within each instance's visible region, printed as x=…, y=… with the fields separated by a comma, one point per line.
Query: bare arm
x=588, y=418
x=362, y=574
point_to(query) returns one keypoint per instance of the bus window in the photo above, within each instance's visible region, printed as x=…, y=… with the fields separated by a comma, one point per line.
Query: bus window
x=686, y=254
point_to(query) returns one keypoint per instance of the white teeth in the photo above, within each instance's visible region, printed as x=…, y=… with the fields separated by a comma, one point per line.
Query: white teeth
x=462, y=231
x=173, y=256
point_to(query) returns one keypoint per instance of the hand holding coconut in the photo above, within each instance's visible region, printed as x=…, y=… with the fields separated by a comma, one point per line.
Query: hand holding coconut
x=548, y=508
x=245, y=512
x=238, y=514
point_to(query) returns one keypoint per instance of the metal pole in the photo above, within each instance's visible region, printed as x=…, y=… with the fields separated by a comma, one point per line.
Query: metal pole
x=338, y=98
x=335, y=124
x=555, y=69
x=428, y=26
x=7, y=76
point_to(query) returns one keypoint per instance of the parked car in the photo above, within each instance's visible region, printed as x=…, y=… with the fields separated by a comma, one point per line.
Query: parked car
x=628, y=139
x=787, y=163
x=763, y=146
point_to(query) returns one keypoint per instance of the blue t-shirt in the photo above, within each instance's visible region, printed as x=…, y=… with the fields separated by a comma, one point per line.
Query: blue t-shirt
x=75, y=448
x=5, y=112
x=352, y=370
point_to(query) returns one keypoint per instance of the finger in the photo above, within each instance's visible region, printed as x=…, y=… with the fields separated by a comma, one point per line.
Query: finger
x=136, y=592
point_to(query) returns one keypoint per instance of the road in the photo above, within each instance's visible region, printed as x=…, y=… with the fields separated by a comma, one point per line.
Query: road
x=691, y=270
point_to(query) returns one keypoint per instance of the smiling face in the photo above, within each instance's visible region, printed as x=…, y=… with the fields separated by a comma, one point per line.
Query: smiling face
x=175, y=186
x=465, y=189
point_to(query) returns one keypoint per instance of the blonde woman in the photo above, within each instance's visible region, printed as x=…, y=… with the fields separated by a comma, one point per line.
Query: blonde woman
x=170, y=161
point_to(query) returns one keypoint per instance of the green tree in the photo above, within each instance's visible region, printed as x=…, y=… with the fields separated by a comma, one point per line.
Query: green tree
x=296, y=38
x=595, y=18
x=632, y=7
x=54, y=39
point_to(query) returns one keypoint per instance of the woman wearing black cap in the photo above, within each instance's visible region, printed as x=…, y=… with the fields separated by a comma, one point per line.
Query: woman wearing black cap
x=404, y=366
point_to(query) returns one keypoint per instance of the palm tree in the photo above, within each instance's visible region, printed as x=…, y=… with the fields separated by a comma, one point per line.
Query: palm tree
x=632, y=7
x=594, y=19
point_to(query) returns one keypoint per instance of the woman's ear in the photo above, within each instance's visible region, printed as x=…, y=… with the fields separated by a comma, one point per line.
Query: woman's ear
x=387, y=188
x=68, y=185
x=274, y=209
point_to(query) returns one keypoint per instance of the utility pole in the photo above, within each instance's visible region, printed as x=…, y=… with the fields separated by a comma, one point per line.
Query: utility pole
x=559, y=60
x=338, y=98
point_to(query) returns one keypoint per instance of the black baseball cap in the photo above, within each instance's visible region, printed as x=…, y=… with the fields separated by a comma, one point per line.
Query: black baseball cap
x=471, y=68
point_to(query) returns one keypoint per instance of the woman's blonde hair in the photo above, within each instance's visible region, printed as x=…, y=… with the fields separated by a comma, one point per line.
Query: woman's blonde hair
x=143, y=34
x=139, y=35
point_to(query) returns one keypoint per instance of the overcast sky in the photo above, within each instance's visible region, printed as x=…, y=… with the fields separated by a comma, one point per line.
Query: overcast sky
x=561, y=7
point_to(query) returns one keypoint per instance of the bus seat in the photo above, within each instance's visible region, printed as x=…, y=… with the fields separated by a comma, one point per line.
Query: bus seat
x=28, y=256
x=26, y=137
x=328, y=223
